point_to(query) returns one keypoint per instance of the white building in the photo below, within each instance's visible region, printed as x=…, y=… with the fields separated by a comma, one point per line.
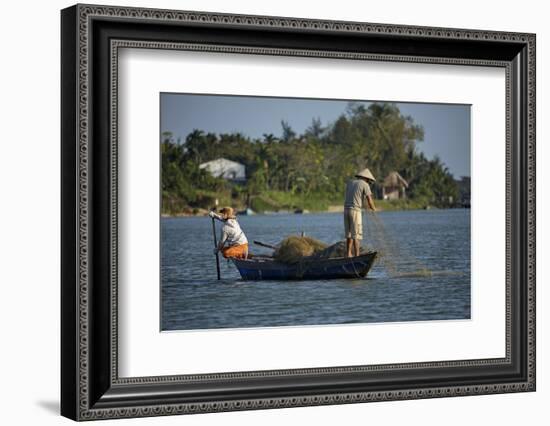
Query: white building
x=227, y=169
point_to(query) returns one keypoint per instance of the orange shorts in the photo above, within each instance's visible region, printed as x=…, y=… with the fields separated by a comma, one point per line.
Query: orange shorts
x=238, y=252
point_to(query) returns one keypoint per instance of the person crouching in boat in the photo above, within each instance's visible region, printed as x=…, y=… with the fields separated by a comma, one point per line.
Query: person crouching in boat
x=233, y=243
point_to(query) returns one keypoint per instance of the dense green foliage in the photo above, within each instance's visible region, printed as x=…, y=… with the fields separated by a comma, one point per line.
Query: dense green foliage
x=304, y=171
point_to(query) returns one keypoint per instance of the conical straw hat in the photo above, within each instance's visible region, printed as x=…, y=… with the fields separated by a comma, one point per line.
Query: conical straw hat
x=366, y=174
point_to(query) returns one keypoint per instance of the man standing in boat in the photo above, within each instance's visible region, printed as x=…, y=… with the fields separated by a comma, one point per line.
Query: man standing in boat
x=233, y=243
x=358, y=195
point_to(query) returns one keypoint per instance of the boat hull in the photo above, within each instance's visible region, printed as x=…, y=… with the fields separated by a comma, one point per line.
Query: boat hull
x=308, y=269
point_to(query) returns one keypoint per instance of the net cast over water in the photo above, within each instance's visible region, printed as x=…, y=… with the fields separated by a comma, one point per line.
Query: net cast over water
x=396, y=260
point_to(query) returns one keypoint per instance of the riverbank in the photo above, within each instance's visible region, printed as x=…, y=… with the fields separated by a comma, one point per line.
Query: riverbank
x=270, y=202
x=272, y=208
x=389, y=205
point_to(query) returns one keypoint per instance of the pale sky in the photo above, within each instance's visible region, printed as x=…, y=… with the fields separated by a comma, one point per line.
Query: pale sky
x=446, y=126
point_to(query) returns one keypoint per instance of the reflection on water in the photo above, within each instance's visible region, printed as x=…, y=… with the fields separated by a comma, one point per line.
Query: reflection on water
x=192, y=297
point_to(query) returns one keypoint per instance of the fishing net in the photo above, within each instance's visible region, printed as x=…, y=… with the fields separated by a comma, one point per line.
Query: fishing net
x=338, y=249
x=293, y=248
x=335, y=250
x=396, y=260
x=392, y=256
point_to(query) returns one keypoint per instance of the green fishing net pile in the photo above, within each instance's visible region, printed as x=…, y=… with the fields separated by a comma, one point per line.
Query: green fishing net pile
x=294, y=248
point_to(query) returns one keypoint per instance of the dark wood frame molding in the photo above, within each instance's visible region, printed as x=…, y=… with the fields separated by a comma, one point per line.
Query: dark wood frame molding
x=91, y=37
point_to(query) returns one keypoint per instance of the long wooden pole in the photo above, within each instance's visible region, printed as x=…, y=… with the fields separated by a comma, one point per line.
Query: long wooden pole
x=259, y=243
x=216, y=246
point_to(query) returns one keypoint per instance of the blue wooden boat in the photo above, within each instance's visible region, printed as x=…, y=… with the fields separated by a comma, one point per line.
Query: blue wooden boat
x=310, y=268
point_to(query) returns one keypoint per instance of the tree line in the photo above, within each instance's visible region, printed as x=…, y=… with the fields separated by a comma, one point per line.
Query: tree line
x=315, y=164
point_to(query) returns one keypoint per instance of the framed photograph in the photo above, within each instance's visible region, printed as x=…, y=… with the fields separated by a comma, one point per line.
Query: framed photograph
x=263, y=212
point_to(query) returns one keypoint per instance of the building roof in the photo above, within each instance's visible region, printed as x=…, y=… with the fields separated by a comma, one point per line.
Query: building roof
x=224, y=168
x=395, y=179
x=219, y=161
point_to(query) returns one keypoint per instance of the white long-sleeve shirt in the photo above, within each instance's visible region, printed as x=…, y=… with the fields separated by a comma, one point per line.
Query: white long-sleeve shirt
x=231, y=234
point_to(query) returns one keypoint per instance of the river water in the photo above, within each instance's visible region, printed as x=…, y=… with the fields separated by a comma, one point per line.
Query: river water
x=438, y=240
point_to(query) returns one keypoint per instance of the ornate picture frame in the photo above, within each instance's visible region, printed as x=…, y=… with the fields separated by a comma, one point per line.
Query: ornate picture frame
x=91, y=386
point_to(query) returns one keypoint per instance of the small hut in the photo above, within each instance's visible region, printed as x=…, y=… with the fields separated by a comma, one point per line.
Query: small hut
x=393, y=187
